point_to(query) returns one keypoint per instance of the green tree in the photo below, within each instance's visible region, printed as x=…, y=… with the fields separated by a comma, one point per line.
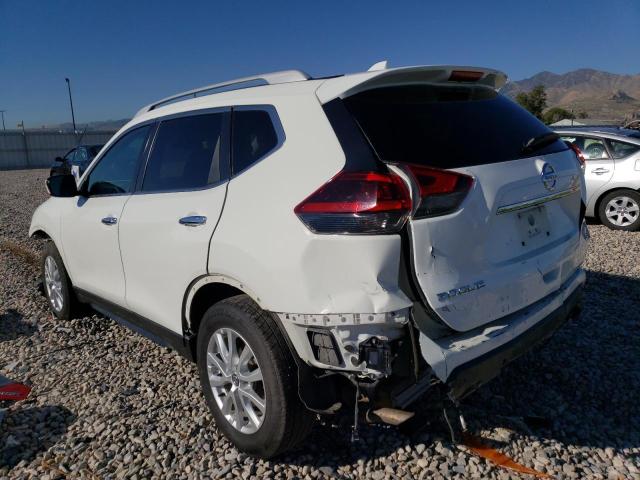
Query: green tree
x=556, y=114
x=535, y=101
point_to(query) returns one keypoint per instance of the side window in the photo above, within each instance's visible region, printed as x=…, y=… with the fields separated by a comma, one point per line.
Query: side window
x=187, y=154
x=117, y=170
x=253, y=137
x=622, y=149
x=593, y=149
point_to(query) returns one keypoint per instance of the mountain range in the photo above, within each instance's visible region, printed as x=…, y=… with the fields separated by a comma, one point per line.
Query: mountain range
x=599, y=94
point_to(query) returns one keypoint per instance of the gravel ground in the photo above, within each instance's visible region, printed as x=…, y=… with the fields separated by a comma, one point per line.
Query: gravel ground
x=107, y=403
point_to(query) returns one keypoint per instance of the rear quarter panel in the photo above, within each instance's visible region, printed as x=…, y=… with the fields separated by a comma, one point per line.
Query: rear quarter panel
x=262, y=244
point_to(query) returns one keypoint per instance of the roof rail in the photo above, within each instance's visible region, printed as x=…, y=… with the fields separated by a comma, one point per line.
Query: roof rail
x=272, y=78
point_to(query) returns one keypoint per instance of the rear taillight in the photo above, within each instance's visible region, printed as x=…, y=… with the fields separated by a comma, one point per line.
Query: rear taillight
x=357, y=203
x=441, y=191
x=579, y=154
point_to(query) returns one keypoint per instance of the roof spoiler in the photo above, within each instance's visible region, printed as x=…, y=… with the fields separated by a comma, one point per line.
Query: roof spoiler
x=351, y=84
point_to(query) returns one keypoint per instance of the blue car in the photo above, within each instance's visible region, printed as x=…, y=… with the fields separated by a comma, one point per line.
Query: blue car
x=79, y=156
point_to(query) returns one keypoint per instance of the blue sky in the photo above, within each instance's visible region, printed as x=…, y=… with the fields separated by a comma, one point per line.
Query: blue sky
x=121, y=55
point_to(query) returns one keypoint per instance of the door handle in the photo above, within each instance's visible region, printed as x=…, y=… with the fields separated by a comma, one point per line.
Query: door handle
x=600, y=171
x=193, y=220
x=109, y=220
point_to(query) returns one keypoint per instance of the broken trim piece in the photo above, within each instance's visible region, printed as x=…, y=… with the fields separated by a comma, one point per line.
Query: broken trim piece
x=477, y=446
x=336, y=319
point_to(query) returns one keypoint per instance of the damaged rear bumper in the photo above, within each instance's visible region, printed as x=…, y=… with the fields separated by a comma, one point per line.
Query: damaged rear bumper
x=466, y=361
x=381, y=350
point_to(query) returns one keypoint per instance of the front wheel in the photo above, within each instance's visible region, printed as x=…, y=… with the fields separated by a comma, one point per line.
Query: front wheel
x=249, y=378
x=56, y=282
x=620, y=210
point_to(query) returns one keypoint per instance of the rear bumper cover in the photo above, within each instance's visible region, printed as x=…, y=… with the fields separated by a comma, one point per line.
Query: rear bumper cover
x=468, y=377
x=467, y=361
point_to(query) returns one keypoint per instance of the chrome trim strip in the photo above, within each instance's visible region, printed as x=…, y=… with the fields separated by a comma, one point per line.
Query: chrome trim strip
x=514, y=207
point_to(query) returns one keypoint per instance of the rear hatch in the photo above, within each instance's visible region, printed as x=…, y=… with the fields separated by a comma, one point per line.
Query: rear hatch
x=496, y=196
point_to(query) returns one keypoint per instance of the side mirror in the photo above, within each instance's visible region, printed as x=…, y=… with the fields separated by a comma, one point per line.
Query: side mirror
x=59, y=159
x=62, y=186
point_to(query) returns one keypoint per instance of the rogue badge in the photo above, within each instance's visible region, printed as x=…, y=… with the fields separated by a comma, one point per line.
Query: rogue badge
x=456, y=292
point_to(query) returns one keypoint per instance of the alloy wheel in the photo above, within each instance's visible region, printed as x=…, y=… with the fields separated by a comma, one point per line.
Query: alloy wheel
x=236, y=380
x=53, y=283
x=622, y=211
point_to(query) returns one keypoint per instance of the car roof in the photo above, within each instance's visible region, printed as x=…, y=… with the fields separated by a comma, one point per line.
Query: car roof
x=295, y=82
x=615, y=133
x=263, y=94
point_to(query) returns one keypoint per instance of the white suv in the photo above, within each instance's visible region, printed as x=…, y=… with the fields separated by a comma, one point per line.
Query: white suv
x=309, y=242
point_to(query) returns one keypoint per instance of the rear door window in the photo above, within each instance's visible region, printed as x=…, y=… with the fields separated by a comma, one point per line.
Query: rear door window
x=592, y=148
x=447, y=126
x=622, y=149
x=187, y=154
x=254, y=137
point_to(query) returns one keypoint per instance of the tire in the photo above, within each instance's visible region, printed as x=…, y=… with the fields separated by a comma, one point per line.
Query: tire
x=56, y=283
x=620, y=210
x=284, y=422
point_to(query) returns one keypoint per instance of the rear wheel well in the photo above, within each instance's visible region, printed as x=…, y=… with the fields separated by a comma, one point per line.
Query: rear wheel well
x=596, y=207
x=204, y=298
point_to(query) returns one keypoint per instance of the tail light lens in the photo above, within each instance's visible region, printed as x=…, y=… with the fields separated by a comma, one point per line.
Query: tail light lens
x=441, y=191
x=357, y=203
x=579, y=154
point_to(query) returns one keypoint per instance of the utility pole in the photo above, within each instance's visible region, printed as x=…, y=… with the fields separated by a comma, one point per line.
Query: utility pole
x=2, y=113
x=24, y=139
x=73, y=117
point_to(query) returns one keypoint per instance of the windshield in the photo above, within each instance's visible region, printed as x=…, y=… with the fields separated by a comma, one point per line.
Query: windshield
x=448, y=126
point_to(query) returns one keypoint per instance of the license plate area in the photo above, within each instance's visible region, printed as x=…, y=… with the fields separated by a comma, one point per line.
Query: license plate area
x=533, y=225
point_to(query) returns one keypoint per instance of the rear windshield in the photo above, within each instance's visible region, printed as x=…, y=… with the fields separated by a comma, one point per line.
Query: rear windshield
x=447, y=126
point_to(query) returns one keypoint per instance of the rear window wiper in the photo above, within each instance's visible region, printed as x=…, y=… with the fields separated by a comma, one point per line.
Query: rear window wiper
x=536, y=143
